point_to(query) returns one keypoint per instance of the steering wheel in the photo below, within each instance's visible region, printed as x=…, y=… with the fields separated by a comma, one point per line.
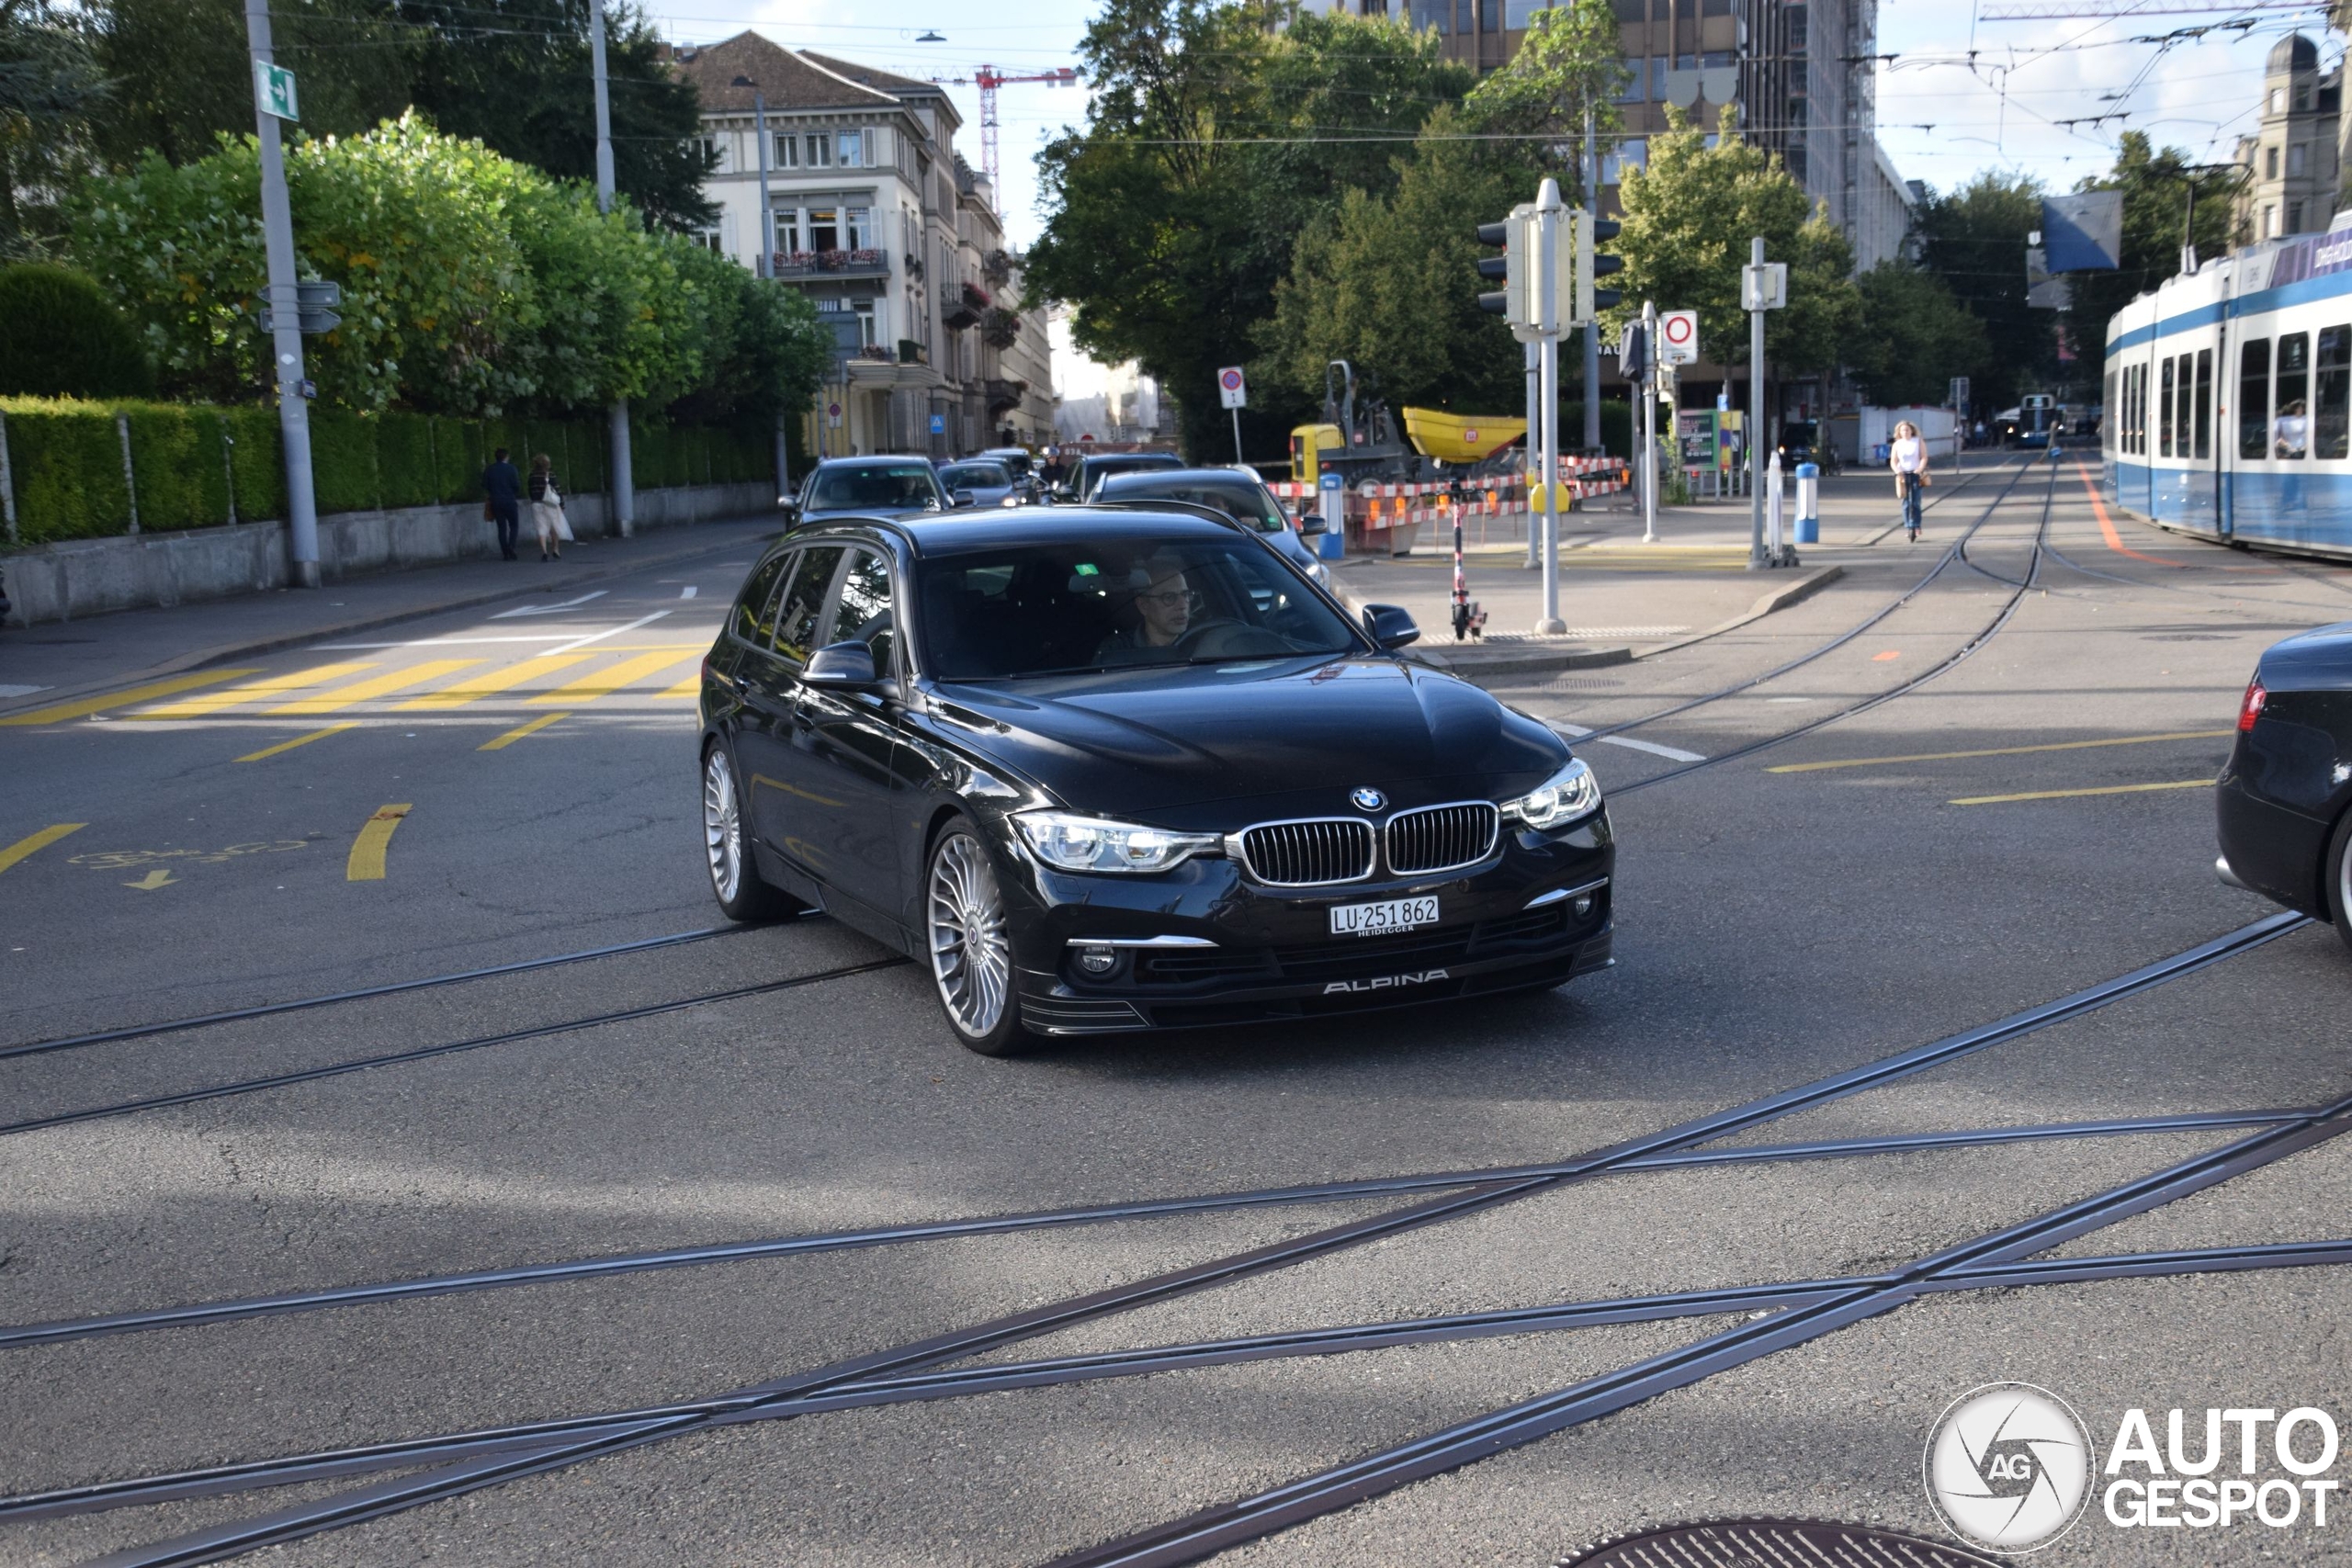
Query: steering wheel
x=1228, y=639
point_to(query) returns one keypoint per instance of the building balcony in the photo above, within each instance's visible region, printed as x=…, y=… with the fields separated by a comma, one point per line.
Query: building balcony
x=1003, y=393
x=976, y=297
x=833, y=264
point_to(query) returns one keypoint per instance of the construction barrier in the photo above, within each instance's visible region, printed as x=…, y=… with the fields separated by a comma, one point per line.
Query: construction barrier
x=1377, y=507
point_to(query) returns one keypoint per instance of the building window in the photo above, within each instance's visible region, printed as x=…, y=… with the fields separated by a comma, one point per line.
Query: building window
x=2270, y=223
x=2302, y=97
x=1657, y=78
x=858, y=224
x=1633, y=152
x=824, y=229
x=708, y=240
x=2294, y=218
x=820, y=149
x=787, y=152
x=2295, y=155
x=1631, y=93
x=2278, y=100
x=2270, y=163
x=848, y=148
x=1798, y=30
x=713, y=152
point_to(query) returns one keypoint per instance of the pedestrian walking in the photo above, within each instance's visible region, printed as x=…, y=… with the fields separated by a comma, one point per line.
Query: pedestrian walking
x=547, y=510
x=501, y=490
x=1908, y=455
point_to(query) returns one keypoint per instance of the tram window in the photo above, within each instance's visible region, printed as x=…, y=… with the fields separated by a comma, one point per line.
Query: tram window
x=2254, y=398
x=2292, y=428
x=2182, y=422
x=2140, y=409
x=2332, y=399
x=2164, y=409
x=2132, y=408
x=2107, y=436
x=2205, y=402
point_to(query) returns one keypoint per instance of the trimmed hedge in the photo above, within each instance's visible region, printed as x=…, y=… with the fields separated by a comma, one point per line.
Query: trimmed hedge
x=196, y=465
x=60, y=337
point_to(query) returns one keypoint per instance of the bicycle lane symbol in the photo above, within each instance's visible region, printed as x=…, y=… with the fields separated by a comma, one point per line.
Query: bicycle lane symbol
x=160, y=875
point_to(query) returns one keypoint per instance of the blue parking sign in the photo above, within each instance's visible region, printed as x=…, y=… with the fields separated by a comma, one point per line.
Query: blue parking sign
x=939, y=425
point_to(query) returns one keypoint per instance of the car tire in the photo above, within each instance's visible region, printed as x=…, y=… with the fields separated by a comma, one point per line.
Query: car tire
x=2336, y=876
x=735, y=880
x=970, y=952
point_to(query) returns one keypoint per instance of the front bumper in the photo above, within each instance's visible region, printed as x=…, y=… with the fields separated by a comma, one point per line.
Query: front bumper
x=1204, y=945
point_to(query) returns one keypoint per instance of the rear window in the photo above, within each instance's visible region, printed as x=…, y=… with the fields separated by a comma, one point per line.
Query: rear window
x=1236, y=497
x=978, y=475
x=884, y=487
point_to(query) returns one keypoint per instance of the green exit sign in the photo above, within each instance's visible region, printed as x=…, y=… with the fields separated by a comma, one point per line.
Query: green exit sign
x=274, y=90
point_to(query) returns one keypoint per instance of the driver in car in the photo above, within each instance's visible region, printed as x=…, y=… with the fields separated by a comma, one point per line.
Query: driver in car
x=1163, y=605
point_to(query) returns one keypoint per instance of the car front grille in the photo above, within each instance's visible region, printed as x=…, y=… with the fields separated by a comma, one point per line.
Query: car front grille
x=1441, y=838
x=1308, y=855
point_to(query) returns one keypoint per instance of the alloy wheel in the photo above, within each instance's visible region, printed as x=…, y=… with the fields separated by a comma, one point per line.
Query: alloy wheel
x=722, y=825
x=969, y=956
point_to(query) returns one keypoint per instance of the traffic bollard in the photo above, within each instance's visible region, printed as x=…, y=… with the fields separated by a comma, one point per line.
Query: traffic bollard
x=1808, y=503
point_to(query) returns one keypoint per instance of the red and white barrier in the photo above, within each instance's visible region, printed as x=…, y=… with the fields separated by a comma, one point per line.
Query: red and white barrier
x=1383, y=505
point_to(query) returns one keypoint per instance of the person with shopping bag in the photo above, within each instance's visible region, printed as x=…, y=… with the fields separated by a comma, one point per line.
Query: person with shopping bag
x=547, y=510
x=1908, y=455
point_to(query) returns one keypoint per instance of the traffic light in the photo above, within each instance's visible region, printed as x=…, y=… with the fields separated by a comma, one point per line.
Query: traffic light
x=1516, y=235
x=1591, y=264
x=1634, y=353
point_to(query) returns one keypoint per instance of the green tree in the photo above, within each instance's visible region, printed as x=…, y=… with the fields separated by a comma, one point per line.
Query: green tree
x=1974, y=241
x=1914, y=337
x=2155, y=188
x=1390, y=284
x=1572, y=59
x=61, y=337
x=1688, y=218
x=1214, y=142
x=50, y=89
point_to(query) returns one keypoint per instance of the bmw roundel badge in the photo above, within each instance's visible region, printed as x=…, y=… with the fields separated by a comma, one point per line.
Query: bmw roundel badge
x=1367, y=799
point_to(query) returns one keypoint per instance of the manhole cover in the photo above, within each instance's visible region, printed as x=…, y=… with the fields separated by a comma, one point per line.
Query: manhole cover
x=1773, y=1543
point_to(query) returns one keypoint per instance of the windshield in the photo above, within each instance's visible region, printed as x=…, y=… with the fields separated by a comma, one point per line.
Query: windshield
x=882, y=486
x=1236, y=497
x=1019, y=611
x=976, y=476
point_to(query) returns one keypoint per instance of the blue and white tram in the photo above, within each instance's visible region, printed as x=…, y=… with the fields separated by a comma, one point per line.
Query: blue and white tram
x=2229, y=397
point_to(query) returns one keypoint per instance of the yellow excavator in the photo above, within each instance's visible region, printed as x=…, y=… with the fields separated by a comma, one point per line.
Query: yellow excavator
x=1359, y=438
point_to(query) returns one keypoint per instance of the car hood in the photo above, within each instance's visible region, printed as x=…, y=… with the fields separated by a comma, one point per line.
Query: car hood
x=2318, y=659
x=1293, y=735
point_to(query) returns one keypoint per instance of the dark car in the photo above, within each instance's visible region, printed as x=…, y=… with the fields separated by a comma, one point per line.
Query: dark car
x=865, y=486
x=980, y=482
x=1095, y=467
x=1125, y=769
x=2285, y=800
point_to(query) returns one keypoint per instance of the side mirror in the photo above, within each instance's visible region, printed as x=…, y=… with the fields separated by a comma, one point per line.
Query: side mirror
x=790, y=508
x=1313, y=523
x=1390, y=626
x=842, y=666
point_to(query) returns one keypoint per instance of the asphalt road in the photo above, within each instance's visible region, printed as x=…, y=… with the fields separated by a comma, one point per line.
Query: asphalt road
x=489, y=787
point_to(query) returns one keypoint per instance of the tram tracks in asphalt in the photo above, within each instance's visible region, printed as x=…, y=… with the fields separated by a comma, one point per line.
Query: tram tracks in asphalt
x=467, y=1462
x=1951, y=553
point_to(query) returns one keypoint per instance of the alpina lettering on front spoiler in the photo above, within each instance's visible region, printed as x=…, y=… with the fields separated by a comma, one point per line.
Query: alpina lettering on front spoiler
x=1412, y=977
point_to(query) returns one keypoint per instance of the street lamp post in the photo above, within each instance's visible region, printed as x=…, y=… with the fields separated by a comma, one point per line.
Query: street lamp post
x=624, y=476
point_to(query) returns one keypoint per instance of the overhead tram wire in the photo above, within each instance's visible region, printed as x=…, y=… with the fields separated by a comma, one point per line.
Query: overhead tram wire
x=514, y=1453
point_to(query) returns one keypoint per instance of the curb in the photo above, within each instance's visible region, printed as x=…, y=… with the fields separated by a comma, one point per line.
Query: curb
x=1780, y=598
x=251, y=647
x=1473, y=663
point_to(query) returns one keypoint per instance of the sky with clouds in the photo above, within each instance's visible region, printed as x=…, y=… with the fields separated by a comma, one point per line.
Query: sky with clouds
x=1962, y=94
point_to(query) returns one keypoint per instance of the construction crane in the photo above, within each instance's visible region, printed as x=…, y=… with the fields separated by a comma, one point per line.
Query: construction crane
x=988, y=79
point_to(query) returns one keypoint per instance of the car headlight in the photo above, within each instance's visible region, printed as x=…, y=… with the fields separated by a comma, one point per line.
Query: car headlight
x=1071, y=843
x=1567, y=795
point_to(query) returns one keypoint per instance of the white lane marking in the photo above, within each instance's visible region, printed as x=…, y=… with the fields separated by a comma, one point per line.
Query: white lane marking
x=1671, y=753
x=549, y=609
x=599, y=637
x=1577, y=732
x=448, y=641
x=687, y=592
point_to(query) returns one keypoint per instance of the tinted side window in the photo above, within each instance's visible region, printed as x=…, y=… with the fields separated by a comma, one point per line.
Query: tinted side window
x=796, y=617
x=866, y=613
x=2332, y=410
x=754, y=619
x=2254, y=399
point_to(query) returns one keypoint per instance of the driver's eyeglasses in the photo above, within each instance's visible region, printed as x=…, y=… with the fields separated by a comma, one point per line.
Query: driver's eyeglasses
x=1170, y=598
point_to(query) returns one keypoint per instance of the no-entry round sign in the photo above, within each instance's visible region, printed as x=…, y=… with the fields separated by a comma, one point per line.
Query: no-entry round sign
x=1677, y=336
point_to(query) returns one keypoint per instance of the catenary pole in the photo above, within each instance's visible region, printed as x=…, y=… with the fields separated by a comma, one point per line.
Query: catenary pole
x=1649, y=421
x=1757, y=441
x=1592, y=328
x=766, y=268
x=623, y=482
x=1534, y=459
x=1549, y=311
x=286, y=317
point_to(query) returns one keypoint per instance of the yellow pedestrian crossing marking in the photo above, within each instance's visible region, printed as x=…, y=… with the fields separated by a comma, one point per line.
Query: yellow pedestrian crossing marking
x=32, y=844
x=2071, y=793
x=227, y=696
x=490, y=682
x=366, y=860
x=268, y=752
x=689, y=687
x=361, y=690
x=85, y=706
x=611, y=678
x=2002, y=751
x=520, y=730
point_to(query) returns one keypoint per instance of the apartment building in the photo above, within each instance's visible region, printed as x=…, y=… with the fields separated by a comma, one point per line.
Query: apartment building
x=2293, y=159
x=875, y=215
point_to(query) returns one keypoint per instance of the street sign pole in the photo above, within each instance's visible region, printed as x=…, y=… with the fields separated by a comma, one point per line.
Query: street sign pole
x=624, y=477
x=1758, y=438
x=1545, y=281
x=1592, y=328
x=1233, y=389
x=1531, y=458
x=285, y=311
x=1649, y=431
